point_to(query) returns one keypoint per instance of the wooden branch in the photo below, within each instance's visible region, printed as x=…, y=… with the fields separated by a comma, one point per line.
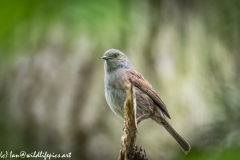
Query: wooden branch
x=129, y=151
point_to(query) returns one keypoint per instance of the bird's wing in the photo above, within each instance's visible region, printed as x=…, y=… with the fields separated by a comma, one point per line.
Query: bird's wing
x=138, y=81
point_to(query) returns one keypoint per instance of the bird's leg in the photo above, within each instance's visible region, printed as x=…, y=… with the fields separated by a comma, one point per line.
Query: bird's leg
x=142, y=117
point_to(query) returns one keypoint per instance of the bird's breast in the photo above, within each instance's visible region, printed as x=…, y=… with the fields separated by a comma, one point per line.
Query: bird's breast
x=115, y=93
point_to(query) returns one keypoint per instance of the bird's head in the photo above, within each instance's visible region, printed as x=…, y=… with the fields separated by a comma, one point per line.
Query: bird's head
x=115, y=59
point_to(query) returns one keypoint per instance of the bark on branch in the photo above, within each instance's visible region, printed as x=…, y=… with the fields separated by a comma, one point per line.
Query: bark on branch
x=129, y=150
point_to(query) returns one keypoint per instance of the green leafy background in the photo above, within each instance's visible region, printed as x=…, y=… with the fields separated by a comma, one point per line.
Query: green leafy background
x=51, y=75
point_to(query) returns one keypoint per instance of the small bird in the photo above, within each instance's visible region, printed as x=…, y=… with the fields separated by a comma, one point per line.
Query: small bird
x=117, y=71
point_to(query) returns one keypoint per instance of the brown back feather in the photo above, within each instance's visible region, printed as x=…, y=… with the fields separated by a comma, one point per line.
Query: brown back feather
x=138, y=81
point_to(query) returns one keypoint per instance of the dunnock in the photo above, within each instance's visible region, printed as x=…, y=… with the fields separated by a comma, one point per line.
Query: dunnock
x=118, y=70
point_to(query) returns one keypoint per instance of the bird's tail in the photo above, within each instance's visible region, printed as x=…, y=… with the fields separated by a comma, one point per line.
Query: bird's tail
x=182, y=143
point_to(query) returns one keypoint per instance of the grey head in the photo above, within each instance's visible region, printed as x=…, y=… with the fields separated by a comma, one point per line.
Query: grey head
x=115, y=59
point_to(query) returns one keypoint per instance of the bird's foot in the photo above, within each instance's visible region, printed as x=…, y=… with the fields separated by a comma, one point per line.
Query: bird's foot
x=142, y=117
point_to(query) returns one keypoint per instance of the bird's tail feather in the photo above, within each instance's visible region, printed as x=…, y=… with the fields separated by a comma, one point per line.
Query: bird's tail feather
x=182, y=143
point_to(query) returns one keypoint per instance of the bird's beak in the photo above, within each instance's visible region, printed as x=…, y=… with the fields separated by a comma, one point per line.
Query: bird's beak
x=105, y=57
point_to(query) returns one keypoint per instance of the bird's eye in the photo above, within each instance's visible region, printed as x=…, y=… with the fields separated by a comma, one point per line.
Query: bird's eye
x=115, y=54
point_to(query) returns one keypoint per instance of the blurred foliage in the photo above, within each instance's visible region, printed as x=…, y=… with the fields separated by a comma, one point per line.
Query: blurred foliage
x=51, y=75
x=26, y=24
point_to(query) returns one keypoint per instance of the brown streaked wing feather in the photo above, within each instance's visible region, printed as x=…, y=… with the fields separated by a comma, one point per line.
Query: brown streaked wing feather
x=138, y=81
